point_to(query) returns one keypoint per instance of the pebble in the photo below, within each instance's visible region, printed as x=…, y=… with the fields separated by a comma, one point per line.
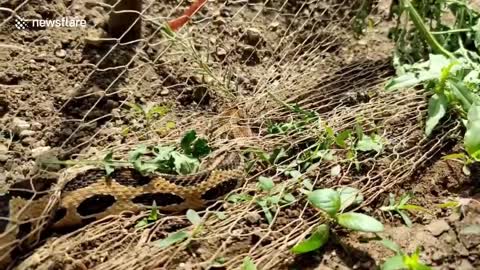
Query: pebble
x=273, y=26
x=164, y=92
x=4, y=158
x=27, y=133
x=438, y=227
x=3, y=149
x=465, y=265
x=61, y=53
x=40, y=151
x=20, y=125
x=253, y=37
x=221, y=52
x=253, y=217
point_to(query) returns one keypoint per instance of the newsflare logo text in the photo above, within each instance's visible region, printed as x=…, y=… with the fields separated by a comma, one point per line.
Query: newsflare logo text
x=65, y=22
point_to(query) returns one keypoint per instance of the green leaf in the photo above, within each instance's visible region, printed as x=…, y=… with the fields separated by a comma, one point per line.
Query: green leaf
x=288, y=198
x=403, y=81
x=370, y=143
x=391, y=245
x=172, y=239
x=236, y=198
x=317, y=240
x=342, y=137
x=326, y=199
x=248, y=264
x=193, y=217
x=159, y=110
x=405, y=218
x=135, y=155
x=349, y=196
x=307, y=184
x=472, y=137
x=265, y=183
x=185, y=165
x=359, y=222
x=187, y=140
x=108, y=163
x=200, y=148
x=394, y=263
x=437, y=108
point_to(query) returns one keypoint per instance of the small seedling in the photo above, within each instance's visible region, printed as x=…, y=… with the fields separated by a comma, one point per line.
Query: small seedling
x=182, y=235
x=332, y=203
x=273, y=197
x=152, y=217
x=402, y=260
x=401, y=207
x=248, y=264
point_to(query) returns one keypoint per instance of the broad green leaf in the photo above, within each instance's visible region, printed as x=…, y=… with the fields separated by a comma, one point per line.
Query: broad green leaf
x=108, y=163
x=327, y=200
x=193, y=217
x=394, y=263
x=172, y=239
x=307, y=184
x=324, y=154
x=349, y=196
x=359, y=222
x=403, y=81
x=288, y=198
x=318, y=238
x=437, y=108
x=163, y=152
x=391, y=245
x=265, y=183
x=342, y=137
x=370, y=143
x=462, y=94
x=248, y=264
x=187, y=140
x=472, y=135
x=184, y=164
x=200, y=148
x=135, y=155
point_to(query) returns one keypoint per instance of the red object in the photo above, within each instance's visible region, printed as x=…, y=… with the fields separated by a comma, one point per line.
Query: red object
x=179, y=22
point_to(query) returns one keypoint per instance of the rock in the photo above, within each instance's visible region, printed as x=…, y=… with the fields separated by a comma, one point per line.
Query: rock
x=465, y=265
x=221, y=52
x=273, y=26
x=3, y=149
x=61, y=53
x=253, y=217
x=164, y=92
x=20, y=125
x=40, y=151
x=253, y=37
x=438, y=227
x=26, y=133
x=4, y=158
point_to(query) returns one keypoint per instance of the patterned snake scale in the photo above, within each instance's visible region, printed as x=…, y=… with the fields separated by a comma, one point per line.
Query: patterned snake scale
x=32, y=209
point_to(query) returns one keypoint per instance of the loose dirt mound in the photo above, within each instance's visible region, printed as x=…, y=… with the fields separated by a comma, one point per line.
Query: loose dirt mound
x=64, y=97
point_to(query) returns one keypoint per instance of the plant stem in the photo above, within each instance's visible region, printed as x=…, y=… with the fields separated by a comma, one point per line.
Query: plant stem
x=427, y=35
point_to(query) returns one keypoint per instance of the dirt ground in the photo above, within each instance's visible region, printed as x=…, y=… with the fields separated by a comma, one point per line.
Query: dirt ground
x=63, y=97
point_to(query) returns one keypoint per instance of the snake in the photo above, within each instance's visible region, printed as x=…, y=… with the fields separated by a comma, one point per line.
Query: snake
x=33, y=207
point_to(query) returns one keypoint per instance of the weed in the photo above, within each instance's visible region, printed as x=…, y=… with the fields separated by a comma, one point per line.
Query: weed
x=333, y=203
x=402, y=260
x=152, y=217
x=401, y=207
x=182, y=235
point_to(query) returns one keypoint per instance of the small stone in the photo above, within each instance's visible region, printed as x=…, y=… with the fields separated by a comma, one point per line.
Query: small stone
x=26, y=133
x=253, y=37
x=221, y=52
x=29, y=140
x=36, y=126
x=164, y=92
x=61, y=53
x=253, y=217
x=3, y=149
x=4, y=158
x=465, y=265
x=438, y=227
x=40, y=151
x=20, y=125
x=273, y=26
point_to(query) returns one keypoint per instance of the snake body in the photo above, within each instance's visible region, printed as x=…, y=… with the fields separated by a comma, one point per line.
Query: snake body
x=27, y=209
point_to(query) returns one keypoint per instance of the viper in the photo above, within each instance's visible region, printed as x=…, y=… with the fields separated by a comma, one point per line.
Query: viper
x=82, y=195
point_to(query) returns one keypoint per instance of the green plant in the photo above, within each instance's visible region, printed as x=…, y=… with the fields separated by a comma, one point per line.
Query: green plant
x=452, y=73
x=151, y=218
x=333, y=203
x=272, y=196
x=182, y=235
x=401, y=207
x=402, y=260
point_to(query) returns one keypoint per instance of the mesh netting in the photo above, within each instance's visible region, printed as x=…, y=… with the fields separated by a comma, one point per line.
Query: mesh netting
x=253, y=55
